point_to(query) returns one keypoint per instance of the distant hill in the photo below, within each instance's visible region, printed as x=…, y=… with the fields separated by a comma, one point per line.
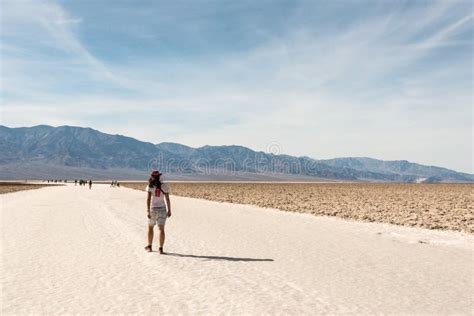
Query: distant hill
x=399, y=167
x=43, y=151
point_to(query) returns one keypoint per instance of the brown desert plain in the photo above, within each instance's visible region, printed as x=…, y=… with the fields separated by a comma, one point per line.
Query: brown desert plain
x=432, y=206
x=9, y=187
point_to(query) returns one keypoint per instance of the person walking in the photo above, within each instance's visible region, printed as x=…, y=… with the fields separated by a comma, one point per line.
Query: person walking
x=90, y=184
x=158, y=208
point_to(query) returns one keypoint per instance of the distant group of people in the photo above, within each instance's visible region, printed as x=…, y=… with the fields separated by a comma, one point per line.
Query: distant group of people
x=83, y=182
x=56, y=181
x=114, y=184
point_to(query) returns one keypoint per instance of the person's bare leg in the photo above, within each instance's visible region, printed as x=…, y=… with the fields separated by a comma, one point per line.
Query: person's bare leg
x=162, y=235
x=150, y=234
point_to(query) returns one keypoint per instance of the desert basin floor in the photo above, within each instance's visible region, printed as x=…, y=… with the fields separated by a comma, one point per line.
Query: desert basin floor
x=68, y=249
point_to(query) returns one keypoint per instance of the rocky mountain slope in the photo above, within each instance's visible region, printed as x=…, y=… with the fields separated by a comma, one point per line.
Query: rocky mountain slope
x=65, y=151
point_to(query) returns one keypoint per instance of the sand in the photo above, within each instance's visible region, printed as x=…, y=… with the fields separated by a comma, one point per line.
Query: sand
x=68, y=250
x=433, y=206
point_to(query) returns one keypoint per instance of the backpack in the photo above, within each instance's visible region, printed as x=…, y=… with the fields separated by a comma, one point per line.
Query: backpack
x=160, y=189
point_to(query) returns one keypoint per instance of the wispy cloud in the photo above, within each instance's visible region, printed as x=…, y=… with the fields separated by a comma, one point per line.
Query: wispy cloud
x=372, y=81
x=43, y=30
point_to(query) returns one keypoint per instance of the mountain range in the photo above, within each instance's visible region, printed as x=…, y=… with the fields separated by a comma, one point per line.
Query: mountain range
x=46, y=152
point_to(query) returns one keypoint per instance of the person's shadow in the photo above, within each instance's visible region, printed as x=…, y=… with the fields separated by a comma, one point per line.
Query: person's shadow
x=215, y=257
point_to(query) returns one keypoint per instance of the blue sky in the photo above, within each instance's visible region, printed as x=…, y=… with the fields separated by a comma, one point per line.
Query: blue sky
x=384, y=79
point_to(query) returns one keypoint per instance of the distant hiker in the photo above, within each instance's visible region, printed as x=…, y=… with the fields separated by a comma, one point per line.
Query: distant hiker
x=157, y=209
x=75, y=182
x=90, y=184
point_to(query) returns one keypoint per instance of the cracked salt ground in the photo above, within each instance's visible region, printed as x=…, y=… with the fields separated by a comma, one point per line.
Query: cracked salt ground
x=67, y=250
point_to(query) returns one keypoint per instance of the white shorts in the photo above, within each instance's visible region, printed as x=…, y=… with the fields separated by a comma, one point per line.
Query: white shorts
x=158, y=216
